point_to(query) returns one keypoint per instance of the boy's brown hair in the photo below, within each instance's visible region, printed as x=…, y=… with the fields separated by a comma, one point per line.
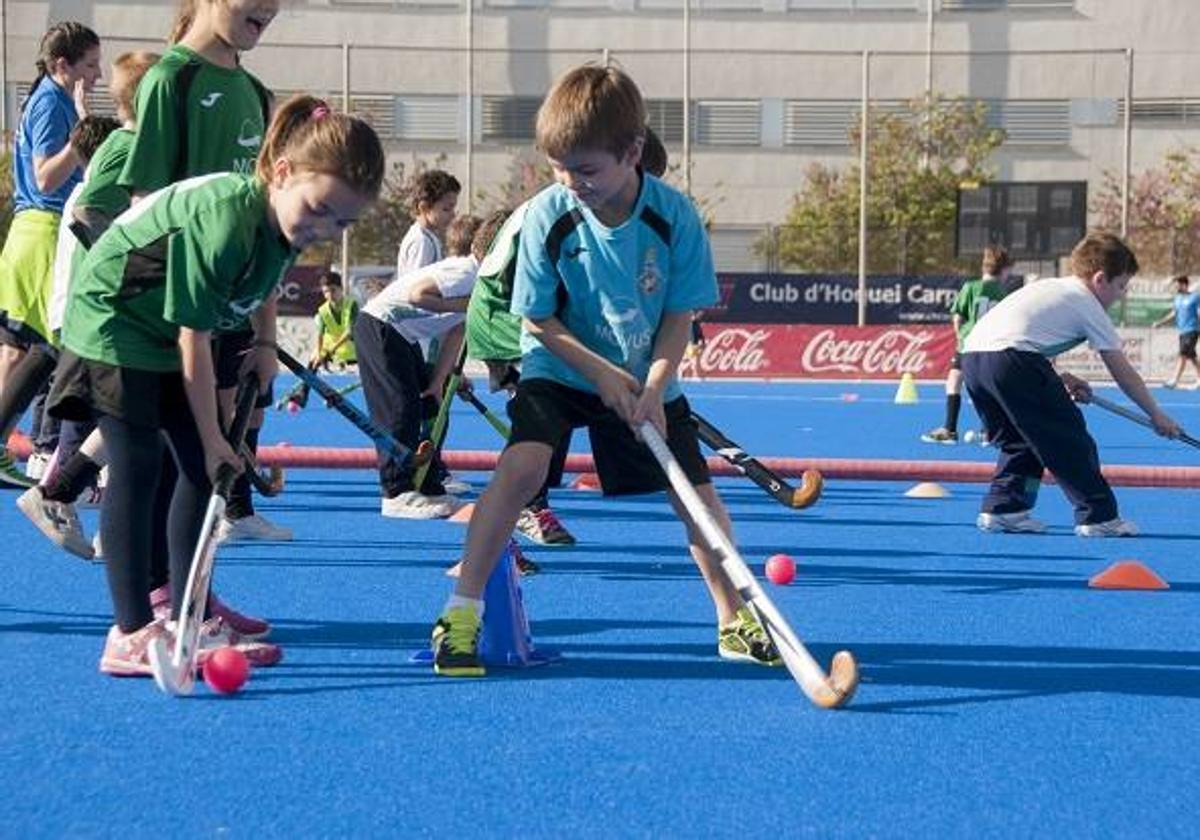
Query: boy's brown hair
x=461, y=234
x=487, y=232
x=127, y=72
x=995, y=260
x=432, y=186
x=1102, y=252
x=87, y=134
x=591, y=108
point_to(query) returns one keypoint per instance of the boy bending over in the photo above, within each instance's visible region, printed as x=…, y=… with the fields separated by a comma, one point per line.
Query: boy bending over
x=611, y=264
x=1026, y=406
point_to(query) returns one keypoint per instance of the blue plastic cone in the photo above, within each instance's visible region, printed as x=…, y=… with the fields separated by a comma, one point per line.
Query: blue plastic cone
x=504, y=640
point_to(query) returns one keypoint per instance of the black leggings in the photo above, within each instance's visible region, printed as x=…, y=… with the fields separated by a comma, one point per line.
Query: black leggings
x=27, y=380
x=128, y=511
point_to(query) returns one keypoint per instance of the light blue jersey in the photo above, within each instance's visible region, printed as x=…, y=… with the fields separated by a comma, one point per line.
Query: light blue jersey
x=1185, y=311
x=609, y=286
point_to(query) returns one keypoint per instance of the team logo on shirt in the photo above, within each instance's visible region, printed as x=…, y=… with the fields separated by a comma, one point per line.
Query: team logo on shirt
x=236, y=312
x=249, y=137
x=211, y=99
x=650, y=276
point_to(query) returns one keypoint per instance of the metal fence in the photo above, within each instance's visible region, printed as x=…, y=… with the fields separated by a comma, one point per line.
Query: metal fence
x=754, y=121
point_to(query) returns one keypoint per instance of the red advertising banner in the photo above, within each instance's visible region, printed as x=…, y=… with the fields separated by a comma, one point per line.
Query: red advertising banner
x=815, y=351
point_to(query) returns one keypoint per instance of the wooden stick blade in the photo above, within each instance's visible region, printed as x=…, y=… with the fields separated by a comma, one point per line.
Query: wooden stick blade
x=809, y=491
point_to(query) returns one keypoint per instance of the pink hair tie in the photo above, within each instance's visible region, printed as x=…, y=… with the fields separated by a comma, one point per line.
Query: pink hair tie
x=320, y=112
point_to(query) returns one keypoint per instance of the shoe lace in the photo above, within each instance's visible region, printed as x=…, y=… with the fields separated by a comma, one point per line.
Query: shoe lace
x=462, y=630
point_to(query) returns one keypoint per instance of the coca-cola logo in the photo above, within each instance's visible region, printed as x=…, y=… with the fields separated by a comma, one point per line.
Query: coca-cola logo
x=734, y=350
x=887, y=352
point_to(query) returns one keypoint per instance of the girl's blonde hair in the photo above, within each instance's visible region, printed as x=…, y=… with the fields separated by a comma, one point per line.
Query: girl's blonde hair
x=127, y=73
x=185, y=16
x=313, y=138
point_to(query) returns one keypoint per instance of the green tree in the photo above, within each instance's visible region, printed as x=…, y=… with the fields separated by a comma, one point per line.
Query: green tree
x=1164, y=212
x=918, y=158
x=528, y=174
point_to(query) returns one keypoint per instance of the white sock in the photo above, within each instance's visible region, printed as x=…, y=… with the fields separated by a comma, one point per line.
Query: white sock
x=455, y=601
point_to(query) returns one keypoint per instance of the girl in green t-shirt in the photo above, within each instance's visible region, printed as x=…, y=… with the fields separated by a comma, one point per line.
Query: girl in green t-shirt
x=184, y=262
x=201, y=111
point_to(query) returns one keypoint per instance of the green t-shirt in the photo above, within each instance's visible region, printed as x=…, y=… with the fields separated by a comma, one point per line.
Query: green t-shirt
x=974, y=299
x=222, y=121
x=494, y=332
x=102, y=192
x=198, y=254
x=101, y=199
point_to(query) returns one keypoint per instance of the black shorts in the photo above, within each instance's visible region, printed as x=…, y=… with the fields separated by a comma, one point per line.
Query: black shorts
x=84, y=389
x=544, y=411
x=229, y=351
x=956, y=361
x=1187, y=344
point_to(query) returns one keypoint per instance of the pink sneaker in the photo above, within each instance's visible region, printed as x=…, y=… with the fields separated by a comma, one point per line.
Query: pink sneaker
x=247, y=627
x=128, y=654
x=216, y=633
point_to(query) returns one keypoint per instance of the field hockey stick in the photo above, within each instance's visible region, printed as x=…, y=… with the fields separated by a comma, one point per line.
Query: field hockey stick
x=493, y=420
x=437, y=434
x=828, y=692
x=804, y=496
x=351, y=388
x=271, y=484
x=175, y=671
x=1141, y=420
x=380, y=436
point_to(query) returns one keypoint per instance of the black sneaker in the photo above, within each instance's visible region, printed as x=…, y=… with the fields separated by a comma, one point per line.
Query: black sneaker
x=455, y=644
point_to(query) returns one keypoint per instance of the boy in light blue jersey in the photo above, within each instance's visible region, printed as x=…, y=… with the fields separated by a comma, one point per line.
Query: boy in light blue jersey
x=611, y=264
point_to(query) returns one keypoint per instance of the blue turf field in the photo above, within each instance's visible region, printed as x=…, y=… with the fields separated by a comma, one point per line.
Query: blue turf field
x=1001, y=697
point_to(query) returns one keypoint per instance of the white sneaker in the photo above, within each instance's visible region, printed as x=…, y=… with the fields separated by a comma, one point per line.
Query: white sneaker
x=1116, y=527
x=35, y=467
x=252, y=527
x=57, y=520
x=1019, y=522
x=413, y=505
x=455, y=487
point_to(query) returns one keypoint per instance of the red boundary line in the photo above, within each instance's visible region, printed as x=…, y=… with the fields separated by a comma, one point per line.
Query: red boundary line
x=859, y=469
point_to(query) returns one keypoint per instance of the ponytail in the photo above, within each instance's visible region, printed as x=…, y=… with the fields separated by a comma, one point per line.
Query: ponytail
x=70, y=40
x=184, y=18
x=314, y=138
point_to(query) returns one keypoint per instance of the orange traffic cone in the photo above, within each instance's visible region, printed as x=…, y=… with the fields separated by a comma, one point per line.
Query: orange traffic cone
x=1128, y=574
